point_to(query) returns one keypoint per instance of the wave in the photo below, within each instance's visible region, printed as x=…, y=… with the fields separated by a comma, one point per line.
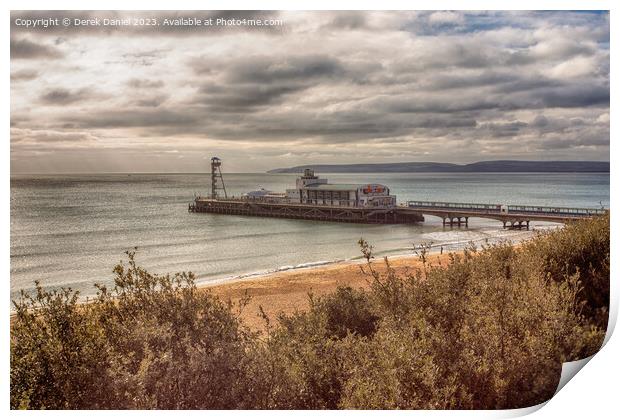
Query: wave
x=260, y=273
x=438, y=241
x=450, y=243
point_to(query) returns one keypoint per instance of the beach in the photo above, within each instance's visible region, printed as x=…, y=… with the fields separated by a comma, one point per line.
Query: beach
x=287, y=291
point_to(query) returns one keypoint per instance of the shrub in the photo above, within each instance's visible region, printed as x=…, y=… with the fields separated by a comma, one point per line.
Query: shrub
x=488, y=330
x=56, y=354
x=347, y=311
x=154, y=342
x=581, y=249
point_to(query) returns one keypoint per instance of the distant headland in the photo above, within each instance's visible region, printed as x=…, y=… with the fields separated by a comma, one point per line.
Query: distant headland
x=484, y=166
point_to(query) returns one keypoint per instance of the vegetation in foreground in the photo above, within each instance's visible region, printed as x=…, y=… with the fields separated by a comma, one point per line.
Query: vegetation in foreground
x=489, y=330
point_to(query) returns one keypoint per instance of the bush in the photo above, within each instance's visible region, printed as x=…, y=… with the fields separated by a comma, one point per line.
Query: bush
x=154, y=342
x=56, y=354
x=581, y=249
x=488, y=330
x=347, y=311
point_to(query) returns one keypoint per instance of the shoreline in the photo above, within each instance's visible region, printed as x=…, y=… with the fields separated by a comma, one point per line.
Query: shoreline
x=287, y=291
x=435, y=248
x=448, y=244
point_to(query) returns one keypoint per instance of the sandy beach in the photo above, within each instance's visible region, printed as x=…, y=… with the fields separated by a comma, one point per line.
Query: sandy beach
x=287, y=291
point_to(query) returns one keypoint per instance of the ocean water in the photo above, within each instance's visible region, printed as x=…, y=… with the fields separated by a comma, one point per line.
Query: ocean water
x=70, y=230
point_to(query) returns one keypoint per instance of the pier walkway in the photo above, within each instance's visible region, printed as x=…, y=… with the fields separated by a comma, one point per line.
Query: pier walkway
x=452, y=214
x=512, y=216
x=321, y=212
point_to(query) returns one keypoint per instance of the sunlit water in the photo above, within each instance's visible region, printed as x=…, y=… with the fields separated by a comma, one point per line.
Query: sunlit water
x=71, y=230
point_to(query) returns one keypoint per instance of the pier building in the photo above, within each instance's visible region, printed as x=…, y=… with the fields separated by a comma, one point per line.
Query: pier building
x=314, y=198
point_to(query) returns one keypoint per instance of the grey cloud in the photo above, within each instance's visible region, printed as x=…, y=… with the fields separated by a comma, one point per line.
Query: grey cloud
x=532, y=82
x=269, y=69
x=421, y=103
x=26, y=49
x=152, y=101
x=61, y=96
x=576, y=96
x=456, y=54
x=348, y=20
x=552, y=95
x=324, y=127
x=556, y=95
x=145, y=83
x=540, y=121
x=237, y=98
x=249, y=83
x=561, y=125
x=282, y=69
x=342, y=80
x=588, y=139
x=504, y=129
x=337, y=128
x=135, y=117
x=24, y=75
x=459, y=80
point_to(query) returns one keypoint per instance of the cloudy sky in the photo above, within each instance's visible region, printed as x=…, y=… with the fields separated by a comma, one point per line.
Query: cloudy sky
x=324, y=87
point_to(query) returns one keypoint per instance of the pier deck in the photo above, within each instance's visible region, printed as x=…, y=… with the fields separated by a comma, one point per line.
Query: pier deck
x=452, y=214
x=348, y=214
x=512, y=216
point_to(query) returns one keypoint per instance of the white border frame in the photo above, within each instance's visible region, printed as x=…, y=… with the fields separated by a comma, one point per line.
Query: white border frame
x=592, y=394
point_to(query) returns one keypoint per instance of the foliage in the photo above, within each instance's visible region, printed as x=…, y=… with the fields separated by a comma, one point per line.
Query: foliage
x=581, y=250
x=153, y=342
x=487, y=330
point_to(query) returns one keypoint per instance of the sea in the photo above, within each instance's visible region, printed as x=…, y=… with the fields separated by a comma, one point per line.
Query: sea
x=70, y=230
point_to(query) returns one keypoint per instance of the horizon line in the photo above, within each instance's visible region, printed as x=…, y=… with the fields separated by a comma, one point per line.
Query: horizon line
x=269, y=171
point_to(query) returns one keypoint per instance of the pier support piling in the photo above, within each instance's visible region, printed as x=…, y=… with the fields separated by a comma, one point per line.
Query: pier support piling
x=455, y=221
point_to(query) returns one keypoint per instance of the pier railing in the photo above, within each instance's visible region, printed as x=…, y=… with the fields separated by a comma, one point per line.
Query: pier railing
x=455, y=206
x=500, y=209
x=336, y=203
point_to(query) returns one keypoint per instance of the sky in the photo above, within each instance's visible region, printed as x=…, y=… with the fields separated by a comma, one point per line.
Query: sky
x=310, y=88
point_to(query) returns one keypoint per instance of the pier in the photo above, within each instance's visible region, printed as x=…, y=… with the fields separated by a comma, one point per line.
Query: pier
x=314, y=198
x=452, y=214
x=321, y=212
x=512, y=216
